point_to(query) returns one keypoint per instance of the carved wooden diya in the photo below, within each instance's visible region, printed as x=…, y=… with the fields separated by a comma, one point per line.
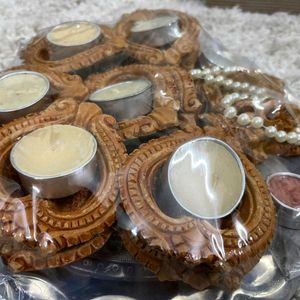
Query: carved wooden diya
x=98, y=56
x=173, y=98
x=59, y=231
x=188, y=248
x=160, y=37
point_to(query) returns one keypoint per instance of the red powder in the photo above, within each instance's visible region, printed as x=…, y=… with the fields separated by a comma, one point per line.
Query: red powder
x=286, y=189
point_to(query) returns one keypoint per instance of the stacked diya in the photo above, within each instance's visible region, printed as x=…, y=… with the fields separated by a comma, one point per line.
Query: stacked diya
x=193, y=206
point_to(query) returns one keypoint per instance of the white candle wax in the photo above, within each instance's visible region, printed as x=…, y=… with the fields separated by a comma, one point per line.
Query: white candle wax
x=53, y=151
x=74, y=33
x=206, y=179
x=120, y=90
x=154, y=23
x=21, y=89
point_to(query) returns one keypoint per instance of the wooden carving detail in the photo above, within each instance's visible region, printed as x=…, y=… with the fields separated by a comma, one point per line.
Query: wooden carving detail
x=174, y=97
x=36, y=52
x=183, y=52
x=52, y=226
x=186, y=244
x=63, y=85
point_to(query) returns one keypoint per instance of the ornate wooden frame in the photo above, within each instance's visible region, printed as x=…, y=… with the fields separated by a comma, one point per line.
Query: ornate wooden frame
x=45, y=226
x=185, y=245
x=35, y=53
x=183, y=52
x=174, y=97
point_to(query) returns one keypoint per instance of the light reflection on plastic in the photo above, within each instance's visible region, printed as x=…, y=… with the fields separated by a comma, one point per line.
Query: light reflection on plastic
x=35, y=194
x=198, y=162
x=218, y=245
x=242, y=231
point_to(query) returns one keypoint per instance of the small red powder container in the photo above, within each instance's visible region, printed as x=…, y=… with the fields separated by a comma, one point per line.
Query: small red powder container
x=285, y=191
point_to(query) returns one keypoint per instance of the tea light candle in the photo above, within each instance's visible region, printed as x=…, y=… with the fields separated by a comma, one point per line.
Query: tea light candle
x=74, y=33
x=285, y=191
x=20, y=90
x=206, y=177
x=125, y=100
x=157, y=31
x=54, y=159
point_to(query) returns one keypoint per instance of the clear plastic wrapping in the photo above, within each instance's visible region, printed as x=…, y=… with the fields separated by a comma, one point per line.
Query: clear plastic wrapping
x=142, y=160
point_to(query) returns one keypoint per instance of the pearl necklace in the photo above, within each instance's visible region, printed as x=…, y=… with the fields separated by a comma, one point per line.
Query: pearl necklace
x=243, y=91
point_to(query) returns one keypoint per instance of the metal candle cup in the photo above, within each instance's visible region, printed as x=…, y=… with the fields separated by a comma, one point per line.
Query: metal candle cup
x=156, y=32
x=125, y=100
x=18, y=86
x=287, y=216
x=216, y=194
x=66, y=182
x=70, y=38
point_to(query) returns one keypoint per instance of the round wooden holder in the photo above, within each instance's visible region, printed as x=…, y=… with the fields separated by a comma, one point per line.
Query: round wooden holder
x=183, y=52
x=52, y=226
x=192, y=249
x=174, y=97
x=37, y=52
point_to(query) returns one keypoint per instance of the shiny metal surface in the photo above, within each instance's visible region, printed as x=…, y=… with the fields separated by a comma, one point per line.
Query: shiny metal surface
x=265, y=281
x=29, y=287
x=160, y=36
x=287, y=216
x=194, y=146
x=128, y=107
x=61, y=186
x=11, y=114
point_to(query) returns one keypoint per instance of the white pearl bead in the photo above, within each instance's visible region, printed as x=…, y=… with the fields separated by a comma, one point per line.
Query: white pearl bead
x=230, y=112
x=245, y=85
x=228, y=82
x=298, y=139
x=260, y=91
x=216, y=69
x=235, y=96
x=219, y=79
x=270, y=131
x=292, y=137
x=206, y=71
x=227, y=70
x=196, y=73
x=244, y=96
x=209, y=78
x=257, y=122
x=281, y=136
x=244, y=119
x=227, y=100
x=297, y=129
x=236, y=85
x=252, y=88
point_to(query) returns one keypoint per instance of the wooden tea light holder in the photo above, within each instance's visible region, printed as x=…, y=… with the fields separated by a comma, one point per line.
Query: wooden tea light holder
x=40, y=232
x=78, y=47
x=145, y=99
x=197, y=247
x=160, y=37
